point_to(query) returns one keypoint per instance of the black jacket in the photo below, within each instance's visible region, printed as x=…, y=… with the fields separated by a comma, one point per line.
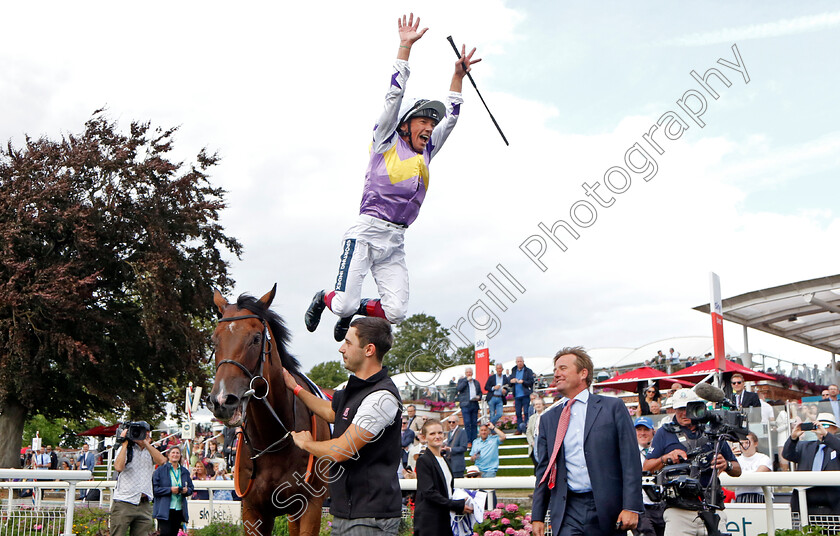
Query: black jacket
x=491, y=382
x=432, y=505
x=750, y=399
x=366, y=485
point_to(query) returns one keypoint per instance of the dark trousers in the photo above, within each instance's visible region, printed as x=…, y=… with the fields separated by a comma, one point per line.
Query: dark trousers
x=651, y=523
x=521, y=405
x=580, y=517
x=470, y=414
x=169, y=527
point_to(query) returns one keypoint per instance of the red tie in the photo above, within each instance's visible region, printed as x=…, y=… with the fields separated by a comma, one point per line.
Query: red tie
x=562, y=426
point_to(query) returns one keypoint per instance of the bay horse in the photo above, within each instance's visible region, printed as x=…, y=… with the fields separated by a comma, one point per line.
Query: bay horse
x=271, y=474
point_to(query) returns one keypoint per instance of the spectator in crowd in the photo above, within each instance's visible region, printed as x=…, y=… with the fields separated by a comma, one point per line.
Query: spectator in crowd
x=406, y=440
x=415, y=450
x=220, y=468
x=469, y=393
x=522, y=380
x=131, y=510
x=767, y=413
x=455, y=447
x=53, y=457
x=650, y=394
x=211, y=449
x=655, y=408
x=86, y=461
x=742, y=397
x=533, y=399
x=834, y=401
x=532, y=430
x=673, y=360
x=42, y=459
x=172, y=485
x=651, y=522
x=825, y=395
x=671, y=443
x=434, y=486
x=451, y=392
x=64, y=465
x=665, y=399
x=796, y=373
x=229, y=444
x=201, y=472
x=485, y=450
x=815, y=374
x=496, y=387
x=819, y=455
x=415, y=422
x=752, y=461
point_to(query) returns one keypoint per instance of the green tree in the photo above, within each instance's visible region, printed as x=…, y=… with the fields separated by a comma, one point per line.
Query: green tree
x=328, y=374
x=422, y=344
x=108, y=255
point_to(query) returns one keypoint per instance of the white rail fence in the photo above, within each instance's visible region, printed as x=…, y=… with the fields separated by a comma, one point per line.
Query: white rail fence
x=50, y=515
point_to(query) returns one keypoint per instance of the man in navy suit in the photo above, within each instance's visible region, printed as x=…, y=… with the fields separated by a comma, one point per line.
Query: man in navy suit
x=455, y=446
x=469, y=393
x=597, y=463
x=496, y=391
x=820, y=455
x=742, y=397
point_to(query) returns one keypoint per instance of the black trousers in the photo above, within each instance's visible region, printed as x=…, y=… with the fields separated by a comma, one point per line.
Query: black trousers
x=170, y=527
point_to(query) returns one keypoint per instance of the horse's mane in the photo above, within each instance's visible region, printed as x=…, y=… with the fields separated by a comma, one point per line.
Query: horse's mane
x=280, y=335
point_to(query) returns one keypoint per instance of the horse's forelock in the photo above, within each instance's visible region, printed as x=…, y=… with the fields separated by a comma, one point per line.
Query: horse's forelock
x=280, y=333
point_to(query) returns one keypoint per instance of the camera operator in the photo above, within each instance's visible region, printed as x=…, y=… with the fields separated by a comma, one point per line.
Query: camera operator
x=671, y=444
x=820, y=455
x=135, y=463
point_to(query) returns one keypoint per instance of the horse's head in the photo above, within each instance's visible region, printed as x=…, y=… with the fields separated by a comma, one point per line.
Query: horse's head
x=241, y=346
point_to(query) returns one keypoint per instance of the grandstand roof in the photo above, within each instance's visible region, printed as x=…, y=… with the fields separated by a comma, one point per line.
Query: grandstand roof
x=803, y=311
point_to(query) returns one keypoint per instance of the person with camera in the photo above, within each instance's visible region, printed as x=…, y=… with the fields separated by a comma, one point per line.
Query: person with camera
x=671, y=445
x=135, y=465
x=172, y=485
x=485, y=450
x=819, y=455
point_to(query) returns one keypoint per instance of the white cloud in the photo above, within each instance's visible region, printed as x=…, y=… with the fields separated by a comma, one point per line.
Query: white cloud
x=798, y=25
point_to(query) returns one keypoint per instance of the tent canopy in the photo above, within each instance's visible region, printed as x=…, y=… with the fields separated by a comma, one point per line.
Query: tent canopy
x=106, y=431
x=700, y=370
x=629, y=381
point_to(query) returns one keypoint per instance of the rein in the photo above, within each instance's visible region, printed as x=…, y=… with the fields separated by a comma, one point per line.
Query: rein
x=257, y=376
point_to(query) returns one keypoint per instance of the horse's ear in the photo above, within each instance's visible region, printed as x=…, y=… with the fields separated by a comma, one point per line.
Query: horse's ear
x=220, y=301
x=269, y=296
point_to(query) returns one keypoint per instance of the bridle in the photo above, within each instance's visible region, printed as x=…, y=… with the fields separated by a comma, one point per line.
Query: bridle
x=257, y=376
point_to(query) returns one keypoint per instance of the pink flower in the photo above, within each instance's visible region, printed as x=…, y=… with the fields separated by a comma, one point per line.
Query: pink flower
x=486, y=515
x=527, y=527
x=511, y=508
x=500, y=505
x=528, y=518
x=505, y=521
x=510, y=530
x=475, y=534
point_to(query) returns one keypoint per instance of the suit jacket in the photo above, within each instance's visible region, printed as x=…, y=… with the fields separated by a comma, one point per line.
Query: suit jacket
x=463, y=390
x=416, y=425
x=491, y=382
x=750, y=400
x=457, y=446
x=527, y=381
x=803, y=452
x=531, y=432
x=432, y=504
x=612, y=457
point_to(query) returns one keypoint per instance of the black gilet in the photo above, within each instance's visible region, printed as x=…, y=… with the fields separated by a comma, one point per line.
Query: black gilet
x=366, y=485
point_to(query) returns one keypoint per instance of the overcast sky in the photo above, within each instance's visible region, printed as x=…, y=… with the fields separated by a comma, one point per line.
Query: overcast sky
x=287, y=93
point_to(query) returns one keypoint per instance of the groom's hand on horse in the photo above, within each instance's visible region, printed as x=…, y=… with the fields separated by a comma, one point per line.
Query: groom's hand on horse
x=301, y=438
x=290, y=380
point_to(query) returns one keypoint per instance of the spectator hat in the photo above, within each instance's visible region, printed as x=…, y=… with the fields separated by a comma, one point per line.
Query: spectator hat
x=682, y=397
x=220, y=464
x=644, y=421
x=826, y=418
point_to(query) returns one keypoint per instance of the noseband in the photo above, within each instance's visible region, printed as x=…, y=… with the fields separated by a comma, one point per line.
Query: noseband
x=256, y=376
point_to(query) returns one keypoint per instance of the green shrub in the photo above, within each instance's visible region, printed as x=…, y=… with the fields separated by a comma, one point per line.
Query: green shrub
x=91, y=521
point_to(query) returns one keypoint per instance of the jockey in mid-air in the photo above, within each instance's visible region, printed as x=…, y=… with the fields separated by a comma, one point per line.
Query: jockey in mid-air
x=406, y=137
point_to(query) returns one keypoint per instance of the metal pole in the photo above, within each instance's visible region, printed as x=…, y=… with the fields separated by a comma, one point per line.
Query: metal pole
x=768, y=504
x=70, y=501
x=833, y=375
x=746, y=341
